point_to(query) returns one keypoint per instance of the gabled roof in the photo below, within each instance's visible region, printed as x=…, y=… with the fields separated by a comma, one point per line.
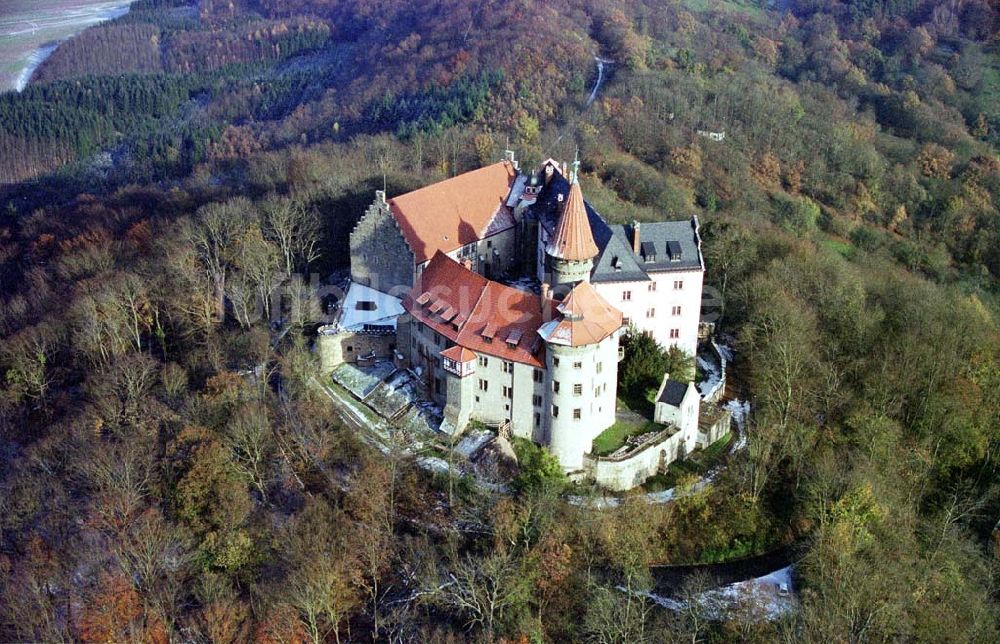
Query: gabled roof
x=665, y=240
x=458, y=354
x=490, y=316
x=573, y=239
x=585, y=318
x=672, y=393
x=449, y=214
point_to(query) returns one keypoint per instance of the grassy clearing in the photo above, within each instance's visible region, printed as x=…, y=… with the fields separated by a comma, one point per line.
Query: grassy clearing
x=750, y=8
x=838, y=246
x=615, y=436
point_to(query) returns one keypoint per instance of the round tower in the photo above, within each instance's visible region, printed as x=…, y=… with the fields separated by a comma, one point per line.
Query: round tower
x=582, y=373
x=571, y=252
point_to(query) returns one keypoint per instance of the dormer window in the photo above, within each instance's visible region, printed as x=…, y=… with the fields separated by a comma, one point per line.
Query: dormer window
x=674, y=251
x=649, y=252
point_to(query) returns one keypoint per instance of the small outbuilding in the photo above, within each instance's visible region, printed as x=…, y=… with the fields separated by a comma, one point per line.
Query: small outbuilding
x=678, y=404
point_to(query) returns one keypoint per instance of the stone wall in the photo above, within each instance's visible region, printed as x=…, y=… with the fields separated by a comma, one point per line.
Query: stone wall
x=348, y=346
x=715, y=423
x=380, y=255
x=620, y=473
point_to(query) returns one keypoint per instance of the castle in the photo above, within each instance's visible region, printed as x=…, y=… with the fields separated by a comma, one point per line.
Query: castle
x=507, y=294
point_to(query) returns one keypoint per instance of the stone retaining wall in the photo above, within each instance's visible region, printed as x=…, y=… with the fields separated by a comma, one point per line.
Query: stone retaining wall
x=620, y=473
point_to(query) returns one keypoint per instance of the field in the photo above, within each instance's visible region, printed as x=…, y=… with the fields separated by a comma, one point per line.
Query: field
x=29, y=32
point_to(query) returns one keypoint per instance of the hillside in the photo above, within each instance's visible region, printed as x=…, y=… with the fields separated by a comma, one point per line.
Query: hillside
x=168, y=470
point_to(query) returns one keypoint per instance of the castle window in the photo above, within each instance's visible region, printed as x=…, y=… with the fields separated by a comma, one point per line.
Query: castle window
x=484, y=385
x=555, y=411
x=650, y=313
x=600, y=367
x=577, y=389
x=577, y=414
x=508, y=392
x=537, y=375
x=555, y=362
x=350, y=349
x=508, y=367
x=536, y=400
x=597, y=392
x=678, y=285
x=626, y=321
x=652, y=287
x=675, y=310
x=648, y=251
x=626, y=296
x=484, y=361
x=538, y=419
x=675, y=333
x=555, y=386
x=578, y=365
x=437, y=386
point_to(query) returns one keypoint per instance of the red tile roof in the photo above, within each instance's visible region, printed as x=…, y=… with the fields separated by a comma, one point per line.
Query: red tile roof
x=458, y=354
x=586, y=318
x=573, y=239
x=489, y=314
x=449, y=214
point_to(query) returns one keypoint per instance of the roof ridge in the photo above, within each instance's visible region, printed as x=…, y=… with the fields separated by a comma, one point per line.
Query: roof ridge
x=573, y=239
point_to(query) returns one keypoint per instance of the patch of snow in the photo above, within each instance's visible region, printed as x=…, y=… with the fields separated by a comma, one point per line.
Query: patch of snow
x=655, y=498
x=740, y=409
x=767, y=598
x=725, y=350
x=434, y=464
x=384, y=308
x=713, y=377
x=473, y=442
x=528, y=284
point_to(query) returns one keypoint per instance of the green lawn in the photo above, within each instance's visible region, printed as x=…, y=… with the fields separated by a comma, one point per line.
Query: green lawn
x=614, y=437
x=750, y=8
x=838, y=246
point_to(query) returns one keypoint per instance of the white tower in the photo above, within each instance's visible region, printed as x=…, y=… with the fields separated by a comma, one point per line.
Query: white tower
x=582, y=372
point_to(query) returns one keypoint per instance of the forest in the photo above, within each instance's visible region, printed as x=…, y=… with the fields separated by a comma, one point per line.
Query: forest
x=174, y=182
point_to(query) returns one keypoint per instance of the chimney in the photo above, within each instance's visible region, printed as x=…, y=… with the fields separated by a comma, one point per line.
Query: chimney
x=636, y=239
x=380, y=197
x=546, y=296
x=508, y=155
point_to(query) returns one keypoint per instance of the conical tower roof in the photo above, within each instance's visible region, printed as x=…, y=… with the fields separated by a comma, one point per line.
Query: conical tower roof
x=586, y=318
x=573, y=240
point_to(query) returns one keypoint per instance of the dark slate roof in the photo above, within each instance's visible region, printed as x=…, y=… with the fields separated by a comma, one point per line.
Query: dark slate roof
x=673, y=393
x=670, y=238
x=616, y=262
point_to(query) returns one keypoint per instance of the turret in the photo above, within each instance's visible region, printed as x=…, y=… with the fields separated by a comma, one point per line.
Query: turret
x=581, y=344
x=571, y=252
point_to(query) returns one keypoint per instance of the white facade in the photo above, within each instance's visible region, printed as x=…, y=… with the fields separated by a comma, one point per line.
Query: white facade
x=581, y=395
x=683, y=415
x=668, y=306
